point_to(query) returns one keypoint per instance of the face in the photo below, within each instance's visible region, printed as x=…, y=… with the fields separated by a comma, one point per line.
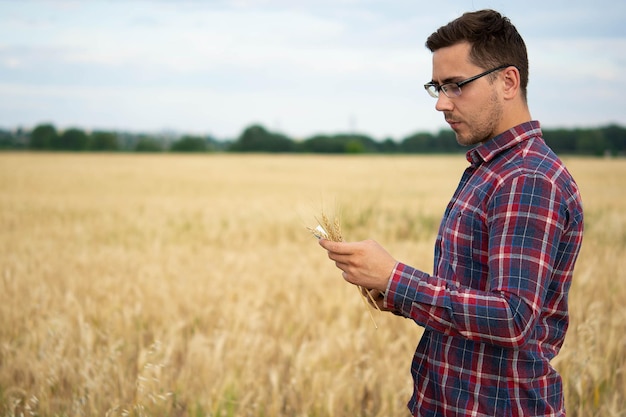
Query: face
x=475, y=115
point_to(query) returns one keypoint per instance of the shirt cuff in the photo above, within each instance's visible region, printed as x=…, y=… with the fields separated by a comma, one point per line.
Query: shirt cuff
x=387, y=302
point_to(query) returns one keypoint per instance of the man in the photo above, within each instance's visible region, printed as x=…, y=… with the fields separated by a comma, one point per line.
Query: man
x=495, y=308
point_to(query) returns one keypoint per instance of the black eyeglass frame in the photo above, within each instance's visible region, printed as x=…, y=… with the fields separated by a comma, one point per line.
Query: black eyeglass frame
x=443, y=87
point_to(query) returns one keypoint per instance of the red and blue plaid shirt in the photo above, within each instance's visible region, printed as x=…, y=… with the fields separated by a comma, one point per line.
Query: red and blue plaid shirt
x=495, y=309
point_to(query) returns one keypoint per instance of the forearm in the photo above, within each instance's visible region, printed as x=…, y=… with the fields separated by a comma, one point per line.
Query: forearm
x=492, y=317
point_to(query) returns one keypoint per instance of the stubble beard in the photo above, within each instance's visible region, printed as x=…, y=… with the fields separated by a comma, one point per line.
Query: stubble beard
x=482, y=125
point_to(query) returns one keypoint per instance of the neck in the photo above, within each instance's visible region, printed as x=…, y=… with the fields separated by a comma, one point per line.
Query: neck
x=517, y=114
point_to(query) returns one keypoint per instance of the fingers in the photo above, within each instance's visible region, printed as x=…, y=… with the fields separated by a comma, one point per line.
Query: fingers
x=340, y=252
x=363, y=263
x=340, y=248
x=337, y=253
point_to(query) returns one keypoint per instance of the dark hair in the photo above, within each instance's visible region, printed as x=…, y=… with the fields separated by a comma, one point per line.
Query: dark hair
x=493, y=38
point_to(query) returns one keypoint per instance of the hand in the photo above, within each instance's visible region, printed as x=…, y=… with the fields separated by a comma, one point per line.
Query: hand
x=363, y=263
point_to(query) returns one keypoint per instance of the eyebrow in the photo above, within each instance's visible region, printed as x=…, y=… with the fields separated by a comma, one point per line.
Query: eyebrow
x=454, y=79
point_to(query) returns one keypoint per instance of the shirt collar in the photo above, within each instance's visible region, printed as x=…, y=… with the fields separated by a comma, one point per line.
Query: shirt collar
x=486, y=151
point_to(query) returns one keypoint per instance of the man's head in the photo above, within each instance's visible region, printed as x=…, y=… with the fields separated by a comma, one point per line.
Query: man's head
x=480, y=74
x=493, y=39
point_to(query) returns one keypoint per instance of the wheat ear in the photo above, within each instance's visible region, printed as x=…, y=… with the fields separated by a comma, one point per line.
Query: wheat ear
x=332, y=231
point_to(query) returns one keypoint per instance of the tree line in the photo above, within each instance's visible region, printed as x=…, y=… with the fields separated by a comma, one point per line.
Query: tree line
x=607, y=140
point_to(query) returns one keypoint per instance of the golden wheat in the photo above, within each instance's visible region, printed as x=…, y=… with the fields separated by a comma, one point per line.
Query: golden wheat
x=185, y=285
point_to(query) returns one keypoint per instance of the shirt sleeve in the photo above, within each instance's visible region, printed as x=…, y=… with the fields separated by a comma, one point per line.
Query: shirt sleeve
x=525, y=219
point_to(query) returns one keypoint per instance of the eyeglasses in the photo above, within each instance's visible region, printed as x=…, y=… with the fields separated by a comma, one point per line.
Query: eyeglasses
x=452, y=90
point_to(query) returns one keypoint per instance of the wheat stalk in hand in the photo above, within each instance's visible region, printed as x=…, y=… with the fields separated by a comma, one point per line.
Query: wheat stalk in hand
x=331, y=230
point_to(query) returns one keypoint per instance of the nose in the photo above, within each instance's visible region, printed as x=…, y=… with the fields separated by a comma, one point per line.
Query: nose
x=443, y=103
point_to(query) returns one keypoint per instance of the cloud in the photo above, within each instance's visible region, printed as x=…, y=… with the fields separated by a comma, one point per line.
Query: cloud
x=304, y=66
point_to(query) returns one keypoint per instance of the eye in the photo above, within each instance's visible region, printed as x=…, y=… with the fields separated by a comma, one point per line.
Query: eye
x=451, y=89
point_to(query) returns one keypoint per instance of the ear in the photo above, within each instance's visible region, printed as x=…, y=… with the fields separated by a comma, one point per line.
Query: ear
x=511, y=81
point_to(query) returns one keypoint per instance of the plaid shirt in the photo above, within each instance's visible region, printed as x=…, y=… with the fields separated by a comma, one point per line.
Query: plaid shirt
x=495, y=308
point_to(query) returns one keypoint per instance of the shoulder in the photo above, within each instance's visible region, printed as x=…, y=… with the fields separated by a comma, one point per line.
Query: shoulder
x=532, y=172
x=534, y=158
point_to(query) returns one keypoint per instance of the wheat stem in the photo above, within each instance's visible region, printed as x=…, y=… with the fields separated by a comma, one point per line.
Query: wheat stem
x=367, y=304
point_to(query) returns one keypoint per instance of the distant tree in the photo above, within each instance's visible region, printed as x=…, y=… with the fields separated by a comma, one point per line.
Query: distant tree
x=615, y=137
x=256, y=138
x=591, y=142
x=340, y=143
x=418, y=142
x=104, y=141
x=189, y=144
x=562, y=141
x=354, y=146
x=148, y=144
x=423, y=142
x=355, y=143
x=322, y=144
x=7, y=140
x=43, y=137
x=72, y=140
x=389, y=146
x=446, y=140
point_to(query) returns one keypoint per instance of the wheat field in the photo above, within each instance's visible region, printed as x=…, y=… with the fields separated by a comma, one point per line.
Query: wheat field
x=189, y=285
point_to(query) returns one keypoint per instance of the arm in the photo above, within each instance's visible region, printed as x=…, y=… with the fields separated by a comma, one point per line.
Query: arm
x=525, y=220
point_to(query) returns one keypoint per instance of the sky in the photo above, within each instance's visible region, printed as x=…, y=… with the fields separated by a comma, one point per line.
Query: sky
x=297, y=67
